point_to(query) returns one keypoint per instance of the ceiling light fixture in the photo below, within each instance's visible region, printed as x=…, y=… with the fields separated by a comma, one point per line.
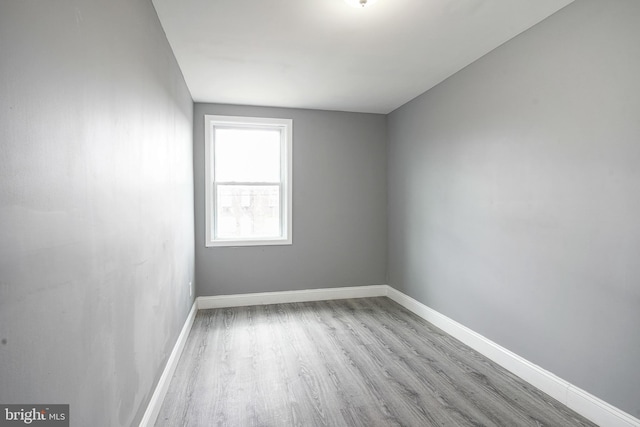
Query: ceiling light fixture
x=360, y=3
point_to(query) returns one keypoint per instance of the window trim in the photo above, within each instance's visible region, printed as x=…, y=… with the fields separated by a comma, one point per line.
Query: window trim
x=286, y=184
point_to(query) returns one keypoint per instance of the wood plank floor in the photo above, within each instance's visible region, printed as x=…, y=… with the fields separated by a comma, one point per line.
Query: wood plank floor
x=359, y=362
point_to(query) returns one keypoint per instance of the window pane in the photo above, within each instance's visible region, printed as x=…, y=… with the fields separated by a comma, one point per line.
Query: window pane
x=247, y=155
x=248, y=211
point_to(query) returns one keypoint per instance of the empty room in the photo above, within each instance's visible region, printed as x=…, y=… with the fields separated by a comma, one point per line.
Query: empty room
x=320, y=213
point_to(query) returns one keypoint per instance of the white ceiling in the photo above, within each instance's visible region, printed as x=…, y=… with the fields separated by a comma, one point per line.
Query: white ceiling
x=324, y=54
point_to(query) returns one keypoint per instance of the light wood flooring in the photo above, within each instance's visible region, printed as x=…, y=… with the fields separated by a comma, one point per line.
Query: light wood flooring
x=358, y=362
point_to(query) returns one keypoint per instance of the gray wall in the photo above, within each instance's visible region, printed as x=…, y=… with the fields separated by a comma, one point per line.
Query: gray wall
x=339, y=208
x=96, y=206
x=514, y=194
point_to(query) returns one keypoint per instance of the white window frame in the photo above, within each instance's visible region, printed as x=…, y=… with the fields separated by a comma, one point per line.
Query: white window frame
x=285, y=126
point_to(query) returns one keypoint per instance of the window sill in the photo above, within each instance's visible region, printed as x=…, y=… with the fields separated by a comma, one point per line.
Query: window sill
x=243, y=243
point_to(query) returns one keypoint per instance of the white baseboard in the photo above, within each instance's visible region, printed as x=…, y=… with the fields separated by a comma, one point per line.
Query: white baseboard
x=575, y=398
x=263, y=298
x=153, y=408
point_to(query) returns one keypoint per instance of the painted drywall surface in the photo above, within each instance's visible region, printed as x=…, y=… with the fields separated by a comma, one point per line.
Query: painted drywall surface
x=96, y=206
x=339, y=208
x=514, y=194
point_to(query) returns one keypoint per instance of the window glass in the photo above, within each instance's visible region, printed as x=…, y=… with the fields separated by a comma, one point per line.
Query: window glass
x=247, y=155
x=245, y=211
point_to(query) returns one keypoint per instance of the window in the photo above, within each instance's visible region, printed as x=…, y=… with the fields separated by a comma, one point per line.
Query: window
x=248, y=181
